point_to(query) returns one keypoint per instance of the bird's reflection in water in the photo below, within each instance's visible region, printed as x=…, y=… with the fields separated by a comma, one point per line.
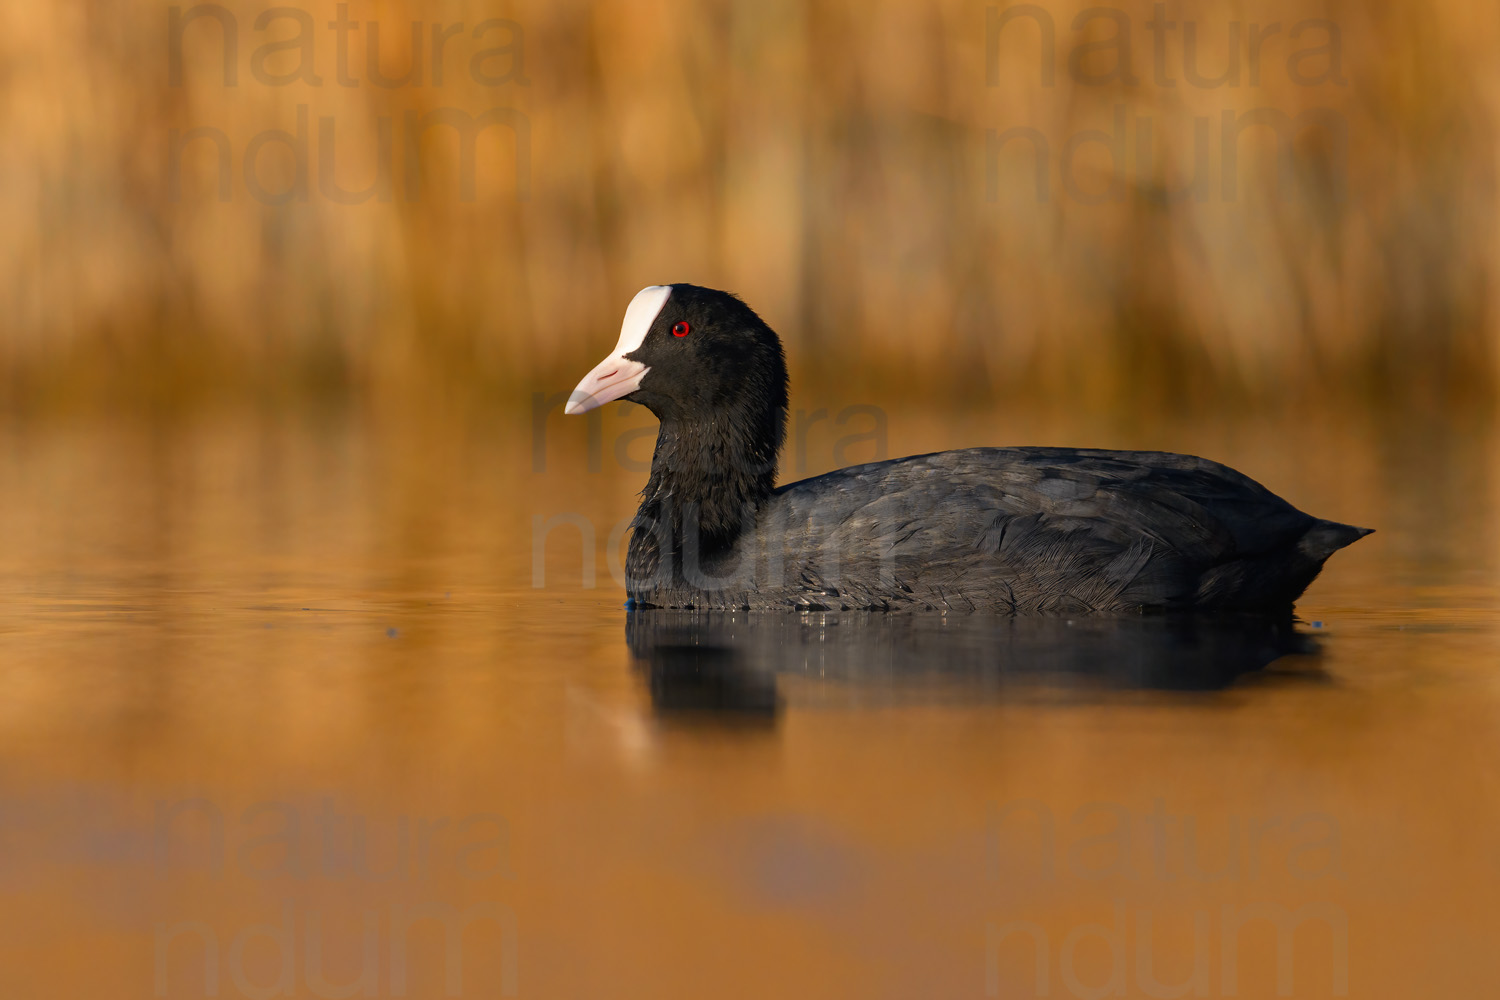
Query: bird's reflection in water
x=729, y=662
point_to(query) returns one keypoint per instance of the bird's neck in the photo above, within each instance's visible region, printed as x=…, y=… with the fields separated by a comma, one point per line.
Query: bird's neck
x=708, y=481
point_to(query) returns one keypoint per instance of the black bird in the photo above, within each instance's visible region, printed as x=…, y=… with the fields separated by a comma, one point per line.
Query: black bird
x=1012, y=530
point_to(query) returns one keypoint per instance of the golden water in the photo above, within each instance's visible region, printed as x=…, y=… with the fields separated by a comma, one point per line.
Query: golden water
x=267, y=673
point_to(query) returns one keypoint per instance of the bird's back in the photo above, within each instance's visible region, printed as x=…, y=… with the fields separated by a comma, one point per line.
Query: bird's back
x=1023, y=530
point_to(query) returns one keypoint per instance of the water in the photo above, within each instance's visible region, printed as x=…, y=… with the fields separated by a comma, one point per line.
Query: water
x=270, y=677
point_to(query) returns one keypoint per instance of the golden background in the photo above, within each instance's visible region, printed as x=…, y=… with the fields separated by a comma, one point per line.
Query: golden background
x=271, y=476
x=833, y=163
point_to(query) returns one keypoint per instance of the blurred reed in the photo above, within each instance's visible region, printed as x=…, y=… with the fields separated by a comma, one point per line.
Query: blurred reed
x=845, y=166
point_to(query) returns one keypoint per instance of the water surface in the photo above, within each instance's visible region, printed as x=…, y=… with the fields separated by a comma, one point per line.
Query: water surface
x=277, y=685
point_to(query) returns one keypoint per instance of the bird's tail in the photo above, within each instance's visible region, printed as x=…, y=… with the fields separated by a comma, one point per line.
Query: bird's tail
x=1325, y=538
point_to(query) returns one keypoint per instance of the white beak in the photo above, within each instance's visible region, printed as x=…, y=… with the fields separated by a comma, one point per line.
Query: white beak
x=617, y=375
x=614, y=377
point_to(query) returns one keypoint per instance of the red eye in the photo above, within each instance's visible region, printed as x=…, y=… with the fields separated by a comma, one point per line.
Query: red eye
x=680, y=329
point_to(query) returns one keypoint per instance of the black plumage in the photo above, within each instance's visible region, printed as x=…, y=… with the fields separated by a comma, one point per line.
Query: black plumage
x=1014, y=530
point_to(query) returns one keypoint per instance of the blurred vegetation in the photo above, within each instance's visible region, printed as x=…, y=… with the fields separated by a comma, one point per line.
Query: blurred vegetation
x=839, y=164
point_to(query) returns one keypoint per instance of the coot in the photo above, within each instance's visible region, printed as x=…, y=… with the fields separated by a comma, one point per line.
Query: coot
x=1012, y=530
